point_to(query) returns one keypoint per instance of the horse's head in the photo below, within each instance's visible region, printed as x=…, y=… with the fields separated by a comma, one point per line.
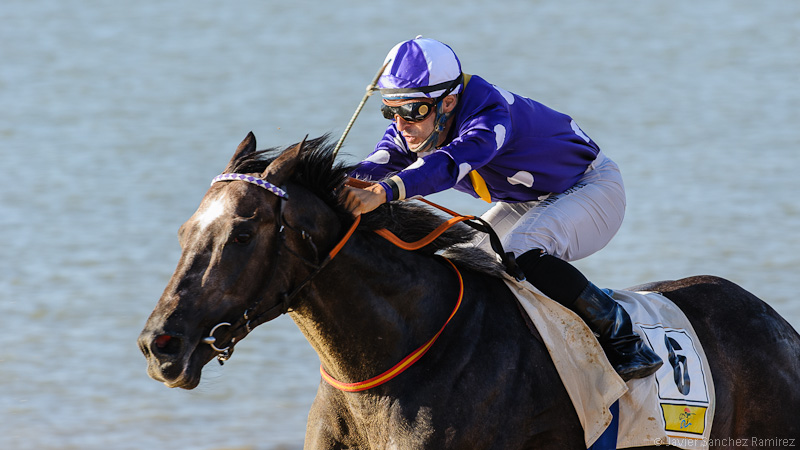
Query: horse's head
x=232, y=270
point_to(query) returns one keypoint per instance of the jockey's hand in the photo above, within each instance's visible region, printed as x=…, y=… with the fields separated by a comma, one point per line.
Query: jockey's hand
x=361, y=201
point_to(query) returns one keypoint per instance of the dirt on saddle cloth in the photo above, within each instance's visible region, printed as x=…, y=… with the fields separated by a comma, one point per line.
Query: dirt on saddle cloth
x=658, y=410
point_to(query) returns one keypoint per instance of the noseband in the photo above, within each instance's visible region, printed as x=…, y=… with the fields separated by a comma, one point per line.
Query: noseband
x=248, y=321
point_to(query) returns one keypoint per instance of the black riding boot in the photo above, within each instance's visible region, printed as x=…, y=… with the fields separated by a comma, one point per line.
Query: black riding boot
x=562, y=282
x=630, y=357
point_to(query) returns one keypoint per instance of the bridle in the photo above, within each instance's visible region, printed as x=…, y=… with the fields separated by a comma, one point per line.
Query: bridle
x=249, y=321
x=252, y=317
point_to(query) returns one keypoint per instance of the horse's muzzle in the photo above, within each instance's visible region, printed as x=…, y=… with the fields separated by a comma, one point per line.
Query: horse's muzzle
x=169, y=359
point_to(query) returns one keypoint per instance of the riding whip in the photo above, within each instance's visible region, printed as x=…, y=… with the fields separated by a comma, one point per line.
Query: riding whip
x=371, y=88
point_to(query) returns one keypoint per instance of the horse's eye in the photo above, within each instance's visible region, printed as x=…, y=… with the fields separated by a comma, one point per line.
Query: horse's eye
x=242, y=238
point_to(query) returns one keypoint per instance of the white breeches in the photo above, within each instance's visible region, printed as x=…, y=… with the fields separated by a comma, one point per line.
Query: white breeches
x=571, y=225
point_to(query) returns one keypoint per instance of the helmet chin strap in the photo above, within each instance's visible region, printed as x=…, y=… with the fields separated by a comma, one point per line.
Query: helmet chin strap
x=439, y=124
x=440, y=121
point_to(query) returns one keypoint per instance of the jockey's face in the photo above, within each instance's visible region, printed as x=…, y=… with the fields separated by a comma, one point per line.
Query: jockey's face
x=415, y=133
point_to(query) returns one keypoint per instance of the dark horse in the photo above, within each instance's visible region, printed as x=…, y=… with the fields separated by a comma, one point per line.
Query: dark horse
x=486, y=383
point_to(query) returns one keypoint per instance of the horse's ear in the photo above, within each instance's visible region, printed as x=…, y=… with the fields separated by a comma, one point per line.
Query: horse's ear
x=283, y=166
x=247, y=146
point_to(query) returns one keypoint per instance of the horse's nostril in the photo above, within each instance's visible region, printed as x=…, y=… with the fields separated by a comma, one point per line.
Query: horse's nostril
x=166, y=344
x=163, y=340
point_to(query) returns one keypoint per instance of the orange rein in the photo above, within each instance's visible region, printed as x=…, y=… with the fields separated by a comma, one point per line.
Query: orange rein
x=389, y=236
x=409, y=360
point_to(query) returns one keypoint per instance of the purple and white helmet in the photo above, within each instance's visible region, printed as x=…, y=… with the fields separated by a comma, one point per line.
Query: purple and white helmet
x=420, y=68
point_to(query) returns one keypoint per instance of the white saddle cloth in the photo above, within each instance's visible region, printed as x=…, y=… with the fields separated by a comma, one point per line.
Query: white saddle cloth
x=674, y=406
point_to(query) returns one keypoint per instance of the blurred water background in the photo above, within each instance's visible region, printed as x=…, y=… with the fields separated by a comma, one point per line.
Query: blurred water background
x=114, y=116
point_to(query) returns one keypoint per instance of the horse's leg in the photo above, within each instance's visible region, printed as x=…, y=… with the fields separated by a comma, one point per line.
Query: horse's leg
x=327, y=427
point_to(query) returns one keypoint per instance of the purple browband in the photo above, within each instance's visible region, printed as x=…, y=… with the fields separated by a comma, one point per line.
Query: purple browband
x=253, y=180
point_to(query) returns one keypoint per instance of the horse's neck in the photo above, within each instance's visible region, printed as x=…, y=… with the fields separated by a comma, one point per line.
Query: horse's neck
x=364, y=314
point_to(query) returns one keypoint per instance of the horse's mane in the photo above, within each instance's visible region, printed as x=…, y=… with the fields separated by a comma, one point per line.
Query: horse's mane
x=320, y=172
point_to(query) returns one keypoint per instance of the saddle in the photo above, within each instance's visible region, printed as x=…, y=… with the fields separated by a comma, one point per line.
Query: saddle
x=674, y=406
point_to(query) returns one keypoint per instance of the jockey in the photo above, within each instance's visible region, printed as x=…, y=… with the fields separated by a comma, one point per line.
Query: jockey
x=557, y=197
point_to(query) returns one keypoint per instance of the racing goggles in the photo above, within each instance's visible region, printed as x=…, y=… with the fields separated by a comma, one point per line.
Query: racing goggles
x=410, y=112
